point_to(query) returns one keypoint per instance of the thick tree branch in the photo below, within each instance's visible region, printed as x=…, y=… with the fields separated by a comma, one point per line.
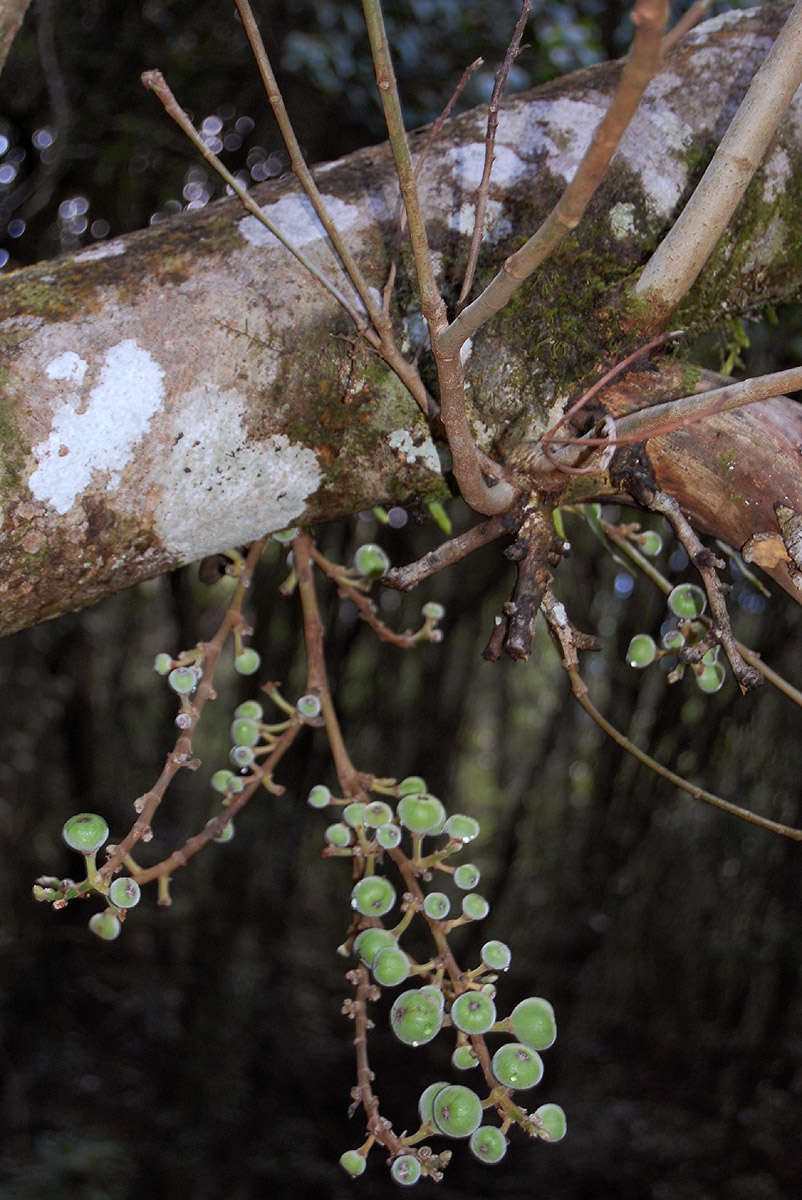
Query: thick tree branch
x=183, y=390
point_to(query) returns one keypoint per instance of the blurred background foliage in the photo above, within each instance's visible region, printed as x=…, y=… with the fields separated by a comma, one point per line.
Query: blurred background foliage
x=204, y=1051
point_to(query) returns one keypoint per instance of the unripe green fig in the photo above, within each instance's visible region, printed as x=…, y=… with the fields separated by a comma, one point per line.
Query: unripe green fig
x=687, y=600
x=247, y=662
x=309, y=706
x=105, y=925
x=457, y=1110
x=517, y=1066
x=415, y=1017
x=353, y=1163
x=533, y=1023
x=641, y=651
x=489, y=1144
x=373, y=896
x=85, y=832
x=406, y=1170
x=553, y=1121
x=473, y=1012
x=125, y=892
x=371, y=561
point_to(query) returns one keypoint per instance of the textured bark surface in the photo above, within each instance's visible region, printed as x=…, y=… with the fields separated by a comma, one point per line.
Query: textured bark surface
x=187, y=388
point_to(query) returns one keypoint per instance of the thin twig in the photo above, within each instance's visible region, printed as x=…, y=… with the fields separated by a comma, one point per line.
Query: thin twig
x=706, y=564
x=378, y=317
x=675, y=265
x=157, y=83
x=564, y=635
x=431, y=138
x=181, y=754
x=649, y=17
x=180, y=858
x=450, y=552
x=466, y=461
x=351, y=781
x=660, y=419
x=499, y=87
x=687, y=21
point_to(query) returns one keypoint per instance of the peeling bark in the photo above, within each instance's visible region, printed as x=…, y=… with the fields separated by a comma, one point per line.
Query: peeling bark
x=172, y=393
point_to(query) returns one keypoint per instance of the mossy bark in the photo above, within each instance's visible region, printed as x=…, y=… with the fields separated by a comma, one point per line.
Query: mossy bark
x=189, y=387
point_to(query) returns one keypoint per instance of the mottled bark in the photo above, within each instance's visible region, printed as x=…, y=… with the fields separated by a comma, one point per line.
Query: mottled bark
x=11, y=14
x=187, y=388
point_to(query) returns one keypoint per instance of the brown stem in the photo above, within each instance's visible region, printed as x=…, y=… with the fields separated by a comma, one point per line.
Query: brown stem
x=350, y=780
x=649, y=18
x=179, y=858
x=706, y=563
x=499, y=87
x=181, y=754
x=452, y=551
x=687, y=21
x=565, y=637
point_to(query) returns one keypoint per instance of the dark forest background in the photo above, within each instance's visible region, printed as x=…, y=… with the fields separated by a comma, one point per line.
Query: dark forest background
x=204, y=1052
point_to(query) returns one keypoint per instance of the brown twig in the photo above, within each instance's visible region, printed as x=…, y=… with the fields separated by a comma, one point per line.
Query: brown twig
x=686, y=22
x=181, y=754
x=467, y=464
x=179, y=858
x=351, y=781
x=706, y=564
x=499, y=87
x=566, y=639
x=384, y=342
x=403, y=579
x=649, y=18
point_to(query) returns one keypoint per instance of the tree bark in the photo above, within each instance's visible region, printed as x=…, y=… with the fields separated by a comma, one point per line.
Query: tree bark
x=11, y=15
x=187, y=388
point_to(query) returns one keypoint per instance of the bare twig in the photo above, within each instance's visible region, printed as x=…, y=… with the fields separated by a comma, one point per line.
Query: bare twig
x=673, y=268
x=406, y=578
x=158, y=84
x=499, y=87
x=466, y=460
x=351, y=781
x=431, y=138
x=687, y=21
x=660, y=419
x=378, y=316
x=649, y=17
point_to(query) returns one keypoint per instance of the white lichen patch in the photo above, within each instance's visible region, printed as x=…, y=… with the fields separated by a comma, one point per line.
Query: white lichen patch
x=218, y=487
x=97, y=432
x=101, y=250
x=714, y=24
x=777, y=170
x=560, y=128
x=463, y=218
x=622, y=220
x=653, y=147
x=466, y=164
x=423, y=451
x=296, y=220
x=68, y=365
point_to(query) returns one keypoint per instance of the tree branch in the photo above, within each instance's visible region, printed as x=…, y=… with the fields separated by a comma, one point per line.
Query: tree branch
x=678, y=260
